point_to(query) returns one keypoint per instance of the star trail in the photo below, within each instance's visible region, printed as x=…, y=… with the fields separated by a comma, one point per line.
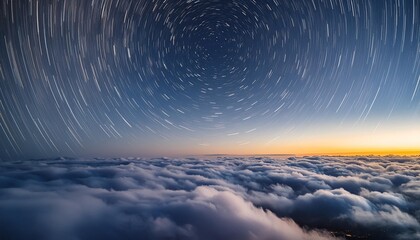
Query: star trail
x=155, y=77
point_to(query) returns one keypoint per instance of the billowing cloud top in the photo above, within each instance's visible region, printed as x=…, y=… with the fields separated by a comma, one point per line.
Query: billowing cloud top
x=219, y=198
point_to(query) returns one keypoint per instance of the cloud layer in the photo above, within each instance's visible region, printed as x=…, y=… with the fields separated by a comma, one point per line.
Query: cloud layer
x=219, y=198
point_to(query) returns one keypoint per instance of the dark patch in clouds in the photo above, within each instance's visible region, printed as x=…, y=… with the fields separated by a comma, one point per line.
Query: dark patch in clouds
x=220, y=198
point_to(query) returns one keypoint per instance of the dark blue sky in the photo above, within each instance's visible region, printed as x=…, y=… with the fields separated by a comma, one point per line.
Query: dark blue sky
x=119, y=78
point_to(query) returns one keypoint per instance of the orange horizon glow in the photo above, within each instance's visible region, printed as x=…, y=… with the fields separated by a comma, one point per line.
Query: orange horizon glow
x=372, y=152
x=387, y=139
x=392, y=138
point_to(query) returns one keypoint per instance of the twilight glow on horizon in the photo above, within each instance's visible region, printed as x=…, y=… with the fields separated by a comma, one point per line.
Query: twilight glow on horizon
x=152, y=78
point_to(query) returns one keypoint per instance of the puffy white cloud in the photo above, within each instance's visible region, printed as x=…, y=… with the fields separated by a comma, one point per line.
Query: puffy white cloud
x=219, y=198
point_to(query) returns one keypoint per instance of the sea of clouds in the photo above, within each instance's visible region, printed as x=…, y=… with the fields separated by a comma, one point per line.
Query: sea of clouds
x=235, y=198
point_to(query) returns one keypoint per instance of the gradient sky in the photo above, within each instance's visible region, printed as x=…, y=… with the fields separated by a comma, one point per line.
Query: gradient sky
x=143, y=78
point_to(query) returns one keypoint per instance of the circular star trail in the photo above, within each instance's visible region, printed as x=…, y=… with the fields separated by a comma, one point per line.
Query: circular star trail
x=78, y=76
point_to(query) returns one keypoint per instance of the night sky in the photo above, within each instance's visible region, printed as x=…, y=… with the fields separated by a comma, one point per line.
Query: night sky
x=142, y=78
